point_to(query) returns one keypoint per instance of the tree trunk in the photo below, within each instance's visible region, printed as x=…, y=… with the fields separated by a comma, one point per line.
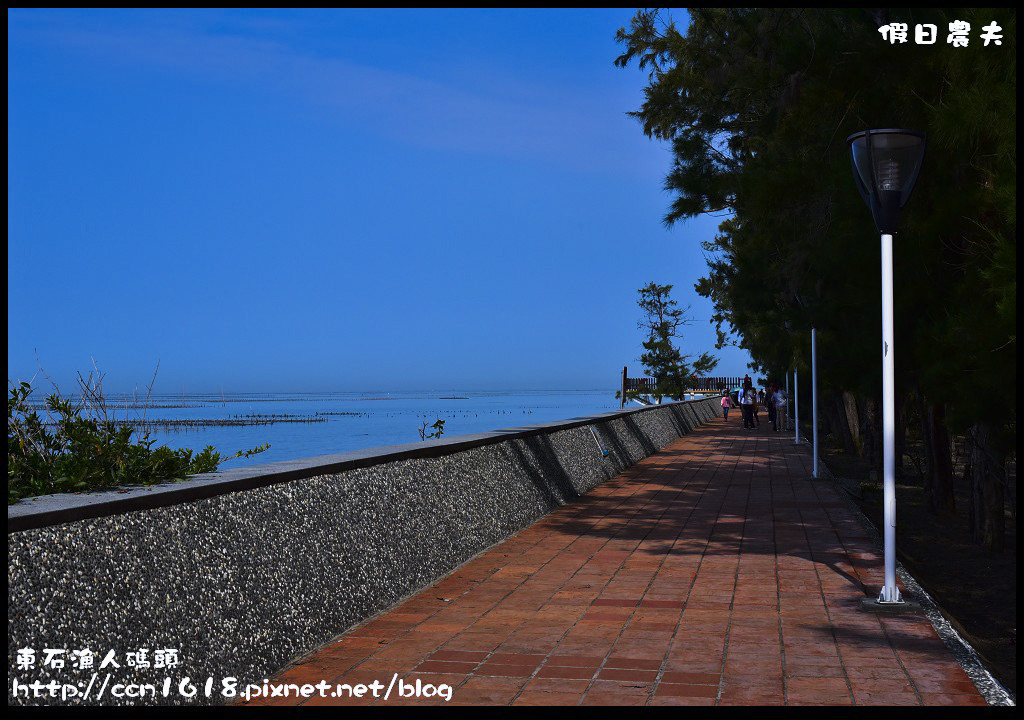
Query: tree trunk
x=871, y=432
x=838, y=423
x=900, y=439
x=938, y=480
x=852, y=416
x=984, y=471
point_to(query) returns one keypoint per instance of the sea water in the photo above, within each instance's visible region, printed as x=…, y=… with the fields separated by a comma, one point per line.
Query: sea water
x=301, y=425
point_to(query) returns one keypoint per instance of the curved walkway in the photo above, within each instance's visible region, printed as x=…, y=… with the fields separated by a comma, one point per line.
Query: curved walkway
x=715, y=572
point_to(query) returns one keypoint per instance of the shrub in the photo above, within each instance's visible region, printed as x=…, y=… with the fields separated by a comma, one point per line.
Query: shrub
x=79, y=447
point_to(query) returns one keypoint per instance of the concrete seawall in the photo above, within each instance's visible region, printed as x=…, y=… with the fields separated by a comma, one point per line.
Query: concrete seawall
x=243, y=571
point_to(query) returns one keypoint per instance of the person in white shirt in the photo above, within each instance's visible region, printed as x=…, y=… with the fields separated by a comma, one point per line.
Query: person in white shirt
x=747, y=401
x=781, y=417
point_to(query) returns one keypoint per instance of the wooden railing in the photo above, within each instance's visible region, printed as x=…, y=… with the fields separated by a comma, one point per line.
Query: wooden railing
x=715, y=384
x=645, y=384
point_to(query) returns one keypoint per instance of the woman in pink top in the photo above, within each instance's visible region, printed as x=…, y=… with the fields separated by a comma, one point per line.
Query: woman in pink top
x=726, y=404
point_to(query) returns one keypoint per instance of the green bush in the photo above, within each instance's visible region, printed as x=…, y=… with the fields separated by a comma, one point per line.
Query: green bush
x=79, y=448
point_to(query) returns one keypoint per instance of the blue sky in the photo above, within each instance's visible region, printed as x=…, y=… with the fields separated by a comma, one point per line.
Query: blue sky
x=335, y=200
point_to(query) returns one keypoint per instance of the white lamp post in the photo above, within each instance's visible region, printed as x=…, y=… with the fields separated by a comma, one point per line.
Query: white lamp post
x=814, y=400
x=796, y=407
x=886, y=164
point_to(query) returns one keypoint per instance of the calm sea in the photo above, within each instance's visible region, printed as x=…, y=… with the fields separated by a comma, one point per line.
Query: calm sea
x=309, y=424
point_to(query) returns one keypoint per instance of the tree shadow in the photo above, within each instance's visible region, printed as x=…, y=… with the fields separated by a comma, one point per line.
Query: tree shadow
x=893, y=637
x=537, y=458
x=711, y=525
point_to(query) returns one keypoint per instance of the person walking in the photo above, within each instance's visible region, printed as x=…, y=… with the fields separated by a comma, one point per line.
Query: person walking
x=769, y=401
x=781, y=416
x=747, y=403
x=726, y=404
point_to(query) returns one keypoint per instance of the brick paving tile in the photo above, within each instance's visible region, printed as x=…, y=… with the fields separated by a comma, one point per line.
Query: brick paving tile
x=752, y=696
x=748, y=651
x=671, y=700
x=640, y=649
x=401, y=655
x=577, y=673
x=477, y=641
x=949, y=673
x=799, y=684
x=661, y=603
x=443, y=666
x=632, y=663
x=691, y=678
x=701, y=665
x=500, y=670
x=613, y=602
x=581, y=646
x=794, y=670
x=885, y=698
x=623, y=687
x=527, y=646
x=645, y=676
x=932, y=685
x=515, y=658
x=694, y=645
x=605, y=698
x=818, y=697
x=753, y=667
x=762, y=682
x=876, y=685
x=867, y=670
x=684, y=690
x=584, y=661
x=652, y=628
x=951, y=699
x=714, y=571
x=458, y=655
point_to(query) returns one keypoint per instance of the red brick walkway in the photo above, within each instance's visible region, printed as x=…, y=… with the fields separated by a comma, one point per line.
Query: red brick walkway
x=716, y=572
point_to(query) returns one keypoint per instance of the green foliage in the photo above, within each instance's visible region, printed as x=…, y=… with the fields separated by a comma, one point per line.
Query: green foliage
x=78, y=448
x=662, y=359
x=757, y=104
x=437, y=427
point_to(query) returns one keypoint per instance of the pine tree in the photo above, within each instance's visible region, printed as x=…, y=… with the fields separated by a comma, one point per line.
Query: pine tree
x=662, y=359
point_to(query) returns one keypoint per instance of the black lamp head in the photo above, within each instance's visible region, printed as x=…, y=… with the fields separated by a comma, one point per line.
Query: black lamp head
x=886, y=164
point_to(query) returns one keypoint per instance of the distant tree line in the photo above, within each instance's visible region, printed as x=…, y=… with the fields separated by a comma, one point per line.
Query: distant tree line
x=757, y=105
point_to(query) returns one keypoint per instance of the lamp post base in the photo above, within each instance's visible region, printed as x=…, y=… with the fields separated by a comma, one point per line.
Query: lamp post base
x=876, y=606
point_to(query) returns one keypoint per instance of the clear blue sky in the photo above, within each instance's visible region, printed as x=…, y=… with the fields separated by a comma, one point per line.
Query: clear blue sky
x=335, y=200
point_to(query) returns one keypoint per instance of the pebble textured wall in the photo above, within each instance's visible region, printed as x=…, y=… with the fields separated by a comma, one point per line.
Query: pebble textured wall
x=242, y=583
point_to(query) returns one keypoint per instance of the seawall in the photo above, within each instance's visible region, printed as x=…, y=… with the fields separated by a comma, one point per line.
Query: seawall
x=243, y=571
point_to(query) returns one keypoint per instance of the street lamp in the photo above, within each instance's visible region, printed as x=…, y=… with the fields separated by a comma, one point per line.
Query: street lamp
x=886, y=164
